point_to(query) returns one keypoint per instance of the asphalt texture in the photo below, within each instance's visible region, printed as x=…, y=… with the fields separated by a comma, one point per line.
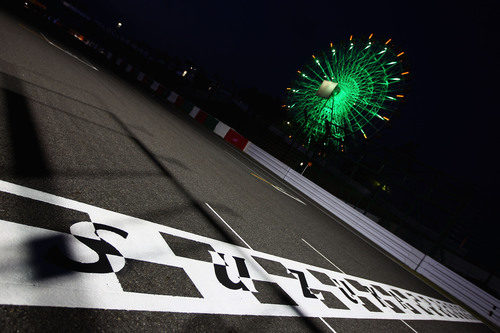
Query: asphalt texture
x=87, y=135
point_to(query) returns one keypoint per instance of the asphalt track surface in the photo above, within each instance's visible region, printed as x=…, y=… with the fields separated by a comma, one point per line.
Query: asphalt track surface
x=71, y=128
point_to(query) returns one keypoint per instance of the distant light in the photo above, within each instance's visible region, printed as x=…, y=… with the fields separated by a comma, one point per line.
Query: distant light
x=400, y=54
x=119, y=25
x=388, y=41
x=371, y=35
x=289, y=136
x=400, y=96
x=404, y=73
x=288, y=123
x=184, y=73
x=350, y=38
x=301, y=163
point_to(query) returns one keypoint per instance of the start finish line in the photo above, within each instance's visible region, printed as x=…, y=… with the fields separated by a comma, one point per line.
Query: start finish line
x=108, y=260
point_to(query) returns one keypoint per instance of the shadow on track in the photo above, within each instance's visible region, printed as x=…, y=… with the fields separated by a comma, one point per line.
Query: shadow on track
x=228, y=237
x=29, y=157
x=30, y=164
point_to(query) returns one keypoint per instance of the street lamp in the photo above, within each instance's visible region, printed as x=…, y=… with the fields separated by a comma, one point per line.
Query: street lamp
x=308, y=165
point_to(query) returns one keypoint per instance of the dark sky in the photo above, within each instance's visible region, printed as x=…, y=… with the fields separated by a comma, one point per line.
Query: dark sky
x=451, y=112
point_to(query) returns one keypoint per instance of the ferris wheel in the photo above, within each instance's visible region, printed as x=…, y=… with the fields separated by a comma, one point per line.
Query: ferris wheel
x=350, y=90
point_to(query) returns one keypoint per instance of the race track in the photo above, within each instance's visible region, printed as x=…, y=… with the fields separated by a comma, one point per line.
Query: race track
x=177, y=210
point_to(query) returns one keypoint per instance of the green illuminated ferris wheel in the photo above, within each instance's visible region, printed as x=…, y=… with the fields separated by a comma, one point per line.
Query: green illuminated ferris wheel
x=348, y=92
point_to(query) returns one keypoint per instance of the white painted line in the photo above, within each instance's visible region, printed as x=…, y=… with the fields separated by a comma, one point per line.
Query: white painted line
x=321, y=254
x=414, y=330
x=271, y=175
x=215, y=280
x=278, y=188
x=68, y=53
x=291, y=196
x=324, y=321
x=228, y=226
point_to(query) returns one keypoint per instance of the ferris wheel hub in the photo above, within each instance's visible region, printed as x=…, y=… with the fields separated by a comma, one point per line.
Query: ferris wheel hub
x=327, y=88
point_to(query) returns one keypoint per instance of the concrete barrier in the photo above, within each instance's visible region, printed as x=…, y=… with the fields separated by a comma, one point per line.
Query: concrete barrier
x=221, y=129
x=236, y=139
x=368, y=228
x=172, y=97
x=371, y=230
x=276, y=166
x=141, y=76
x=193, y=112
x=460, y=288
x=154, y=86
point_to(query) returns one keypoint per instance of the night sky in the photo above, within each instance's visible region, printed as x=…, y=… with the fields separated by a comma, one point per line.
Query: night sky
x=450, y=114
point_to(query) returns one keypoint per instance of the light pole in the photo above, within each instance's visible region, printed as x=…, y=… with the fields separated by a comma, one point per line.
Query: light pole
x=308, y=165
